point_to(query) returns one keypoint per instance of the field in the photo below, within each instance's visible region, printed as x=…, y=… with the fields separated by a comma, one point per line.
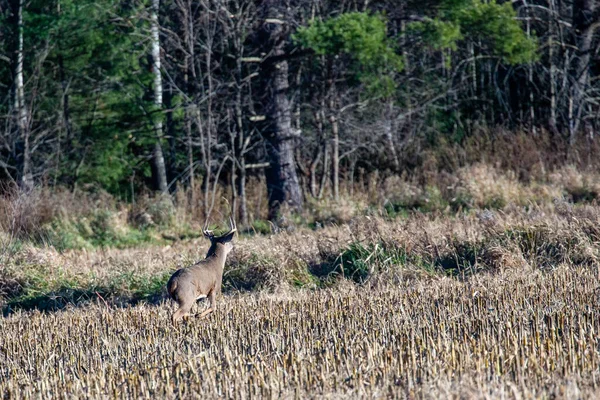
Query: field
x=416, y=187
x=507, y=335
x=479, y=303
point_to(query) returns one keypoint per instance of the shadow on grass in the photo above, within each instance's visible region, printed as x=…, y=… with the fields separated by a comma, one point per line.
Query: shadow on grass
x=151, y=290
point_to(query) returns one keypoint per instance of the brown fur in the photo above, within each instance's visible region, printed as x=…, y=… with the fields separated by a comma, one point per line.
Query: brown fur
x=202, y=279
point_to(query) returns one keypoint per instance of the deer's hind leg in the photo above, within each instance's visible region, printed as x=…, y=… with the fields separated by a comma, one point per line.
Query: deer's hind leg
x=183, y=312
x=211, y=304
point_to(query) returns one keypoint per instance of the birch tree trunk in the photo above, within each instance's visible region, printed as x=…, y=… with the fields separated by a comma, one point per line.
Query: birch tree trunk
x=159, y=171
x=19, y=107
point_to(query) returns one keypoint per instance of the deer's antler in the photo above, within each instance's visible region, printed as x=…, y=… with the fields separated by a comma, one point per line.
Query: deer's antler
x=232, y=225
x=206, y=232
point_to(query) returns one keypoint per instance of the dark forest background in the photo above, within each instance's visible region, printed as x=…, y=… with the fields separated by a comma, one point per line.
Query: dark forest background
x=300, y=99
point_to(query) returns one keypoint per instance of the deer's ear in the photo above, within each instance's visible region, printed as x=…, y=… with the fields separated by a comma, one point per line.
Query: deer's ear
x=227, y=238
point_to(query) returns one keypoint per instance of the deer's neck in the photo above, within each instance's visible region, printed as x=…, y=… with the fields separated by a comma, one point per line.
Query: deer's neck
x=218, y=255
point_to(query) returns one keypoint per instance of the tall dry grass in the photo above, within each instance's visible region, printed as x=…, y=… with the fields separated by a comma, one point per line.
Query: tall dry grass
x=366, y=250
x=471, y=284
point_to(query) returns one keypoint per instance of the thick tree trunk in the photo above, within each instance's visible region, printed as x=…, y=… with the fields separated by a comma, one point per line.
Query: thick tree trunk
x=23, y=150
x=159, y=171
x=585, y=22
x=282, y=180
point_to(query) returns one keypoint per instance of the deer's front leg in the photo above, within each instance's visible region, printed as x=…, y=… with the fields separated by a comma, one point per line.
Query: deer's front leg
x=211, y=304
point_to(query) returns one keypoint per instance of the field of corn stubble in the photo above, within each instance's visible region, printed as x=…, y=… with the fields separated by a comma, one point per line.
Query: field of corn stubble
x=513, y=335
x=485, y=305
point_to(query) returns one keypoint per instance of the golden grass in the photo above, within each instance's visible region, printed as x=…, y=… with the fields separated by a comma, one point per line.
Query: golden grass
x=508, y=334
x=480, y=241
x=497, y=302
x=526, y=326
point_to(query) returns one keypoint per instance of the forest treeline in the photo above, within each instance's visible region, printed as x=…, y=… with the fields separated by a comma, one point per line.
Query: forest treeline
x=131, y=95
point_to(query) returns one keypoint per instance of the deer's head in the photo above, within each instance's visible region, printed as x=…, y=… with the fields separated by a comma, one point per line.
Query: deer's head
x=220, y=244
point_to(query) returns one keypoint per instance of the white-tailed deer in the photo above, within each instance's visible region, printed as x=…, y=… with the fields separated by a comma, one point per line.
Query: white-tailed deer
x=204, y=278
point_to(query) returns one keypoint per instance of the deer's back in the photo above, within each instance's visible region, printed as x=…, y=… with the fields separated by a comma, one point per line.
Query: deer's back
x=197, y=280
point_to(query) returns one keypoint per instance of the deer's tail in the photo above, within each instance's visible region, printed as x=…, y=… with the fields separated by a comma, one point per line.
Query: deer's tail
x=172, y=289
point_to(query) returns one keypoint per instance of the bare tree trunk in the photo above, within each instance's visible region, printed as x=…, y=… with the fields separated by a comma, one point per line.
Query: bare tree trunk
x=351, y=175
x=335, y=131
x=325, y=166
x=66, y=121
x=282, y=180
x=188, y=77
x=209, y=119
x=190, y=156
x=335, y=155
x=530, y=79
x=313, y=171
x=234, y=187
x=65, y=92
x=317, y=154
x=20, y=109
x=233, y=180
x=551, y=39
x=169, y=131
x=159, y=171
x=205, y=149
x=242, y=143
x=66, y=118
x=407, y=70
x=473, y=70
x=243, y=199
x=389, y=133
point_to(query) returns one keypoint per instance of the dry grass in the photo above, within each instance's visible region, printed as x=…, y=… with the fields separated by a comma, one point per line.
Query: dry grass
x=511, y=334
x=473, y=285
x=363, y=249
x=517, y=319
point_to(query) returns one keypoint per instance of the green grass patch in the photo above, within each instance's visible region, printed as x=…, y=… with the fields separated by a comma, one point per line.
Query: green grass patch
x=462, y=257
x=359, y=261
x=36, y=291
